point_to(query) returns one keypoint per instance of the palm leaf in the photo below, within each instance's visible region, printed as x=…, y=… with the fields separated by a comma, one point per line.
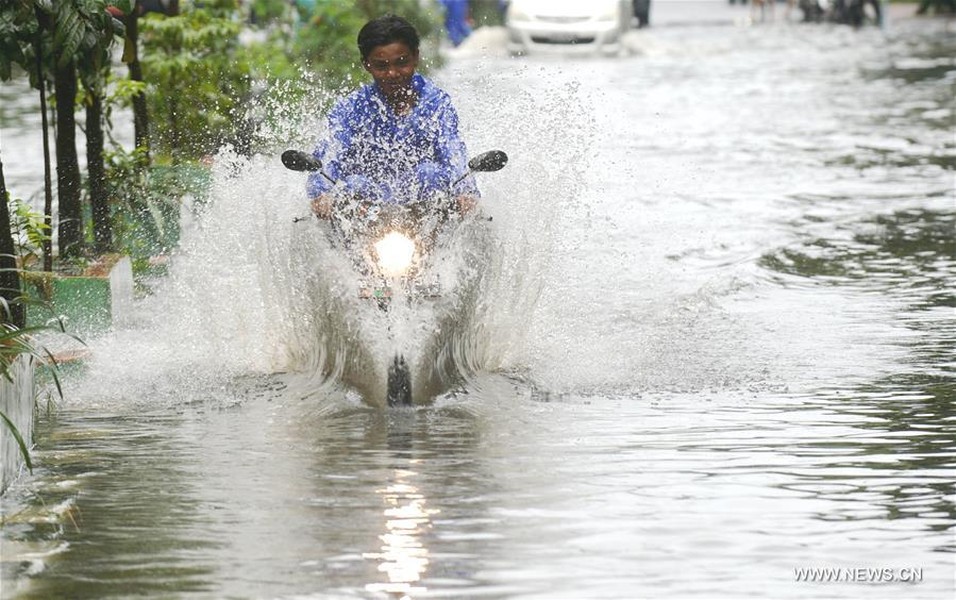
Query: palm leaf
x=68, y=32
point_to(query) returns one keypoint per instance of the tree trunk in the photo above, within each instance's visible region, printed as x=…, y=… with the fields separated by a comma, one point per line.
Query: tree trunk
x=9, y=275
x=140, y=115
x=47, y=177
x=70, y=234
x=99, y=200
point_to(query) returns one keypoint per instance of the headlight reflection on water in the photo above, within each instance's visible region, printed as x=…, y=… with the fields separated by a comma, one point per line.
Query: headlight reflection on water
x=403, y=557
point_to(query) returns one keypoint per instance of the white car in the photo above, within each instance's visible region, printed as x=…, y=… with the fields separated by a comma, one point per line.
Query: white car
x=590, y=25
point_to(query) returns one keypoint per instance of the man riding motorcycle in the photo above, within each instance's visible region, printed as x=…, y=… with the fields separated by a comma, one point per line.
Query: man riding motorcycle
x=396, y=140
x=391, y=172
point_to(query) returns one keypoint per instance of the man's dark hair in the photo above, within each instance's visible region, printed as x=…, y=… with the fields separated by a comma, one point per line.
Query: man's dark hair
x=387, y=30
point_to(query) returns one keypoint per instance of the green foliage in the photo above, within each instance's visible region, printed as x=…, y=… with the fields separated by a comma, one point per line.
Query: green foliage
x=147, y=200
x=123, y=90
x=270, y=12
x=327, y=43
x=69, y=33
x=196, y=77
x=25, y=25
x=100, y=31
x=119, y=92
x=29, y=231
x=82, y=29
x=18, y=26
x=422, y=15
x=323, y=46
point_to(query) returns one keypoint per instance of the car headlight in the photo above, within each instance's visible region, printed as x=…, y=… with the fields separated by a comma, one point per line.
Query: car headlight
x=610, y=13
x=395, y=252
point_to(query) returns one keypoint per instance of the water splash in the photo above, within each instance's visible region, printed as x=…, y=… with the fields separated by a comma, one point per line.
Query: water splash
x=250, y=291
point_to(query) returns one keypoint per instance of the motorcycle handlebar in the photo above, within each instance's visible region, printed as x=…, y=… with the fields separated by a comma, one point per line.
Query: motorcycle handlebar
x=486, y=162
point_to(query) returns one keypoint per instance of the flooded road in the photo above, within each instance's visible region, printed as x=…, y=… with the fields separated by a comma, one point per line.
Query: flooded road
x=717, y=358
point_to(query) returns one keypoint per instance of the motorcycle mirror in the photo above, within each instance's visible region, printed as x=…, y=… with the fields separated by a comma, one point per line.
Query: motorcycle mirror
x=493, y=160
x=296, y=160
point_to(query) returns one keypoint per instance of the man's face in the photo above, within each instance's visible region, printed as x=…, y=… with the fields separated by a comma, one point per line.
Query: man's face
x=392, y=67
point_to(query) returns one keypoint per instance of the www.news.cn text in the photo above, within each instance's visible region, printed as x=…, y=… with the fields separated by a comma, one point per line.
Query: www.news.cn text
x=858, y=574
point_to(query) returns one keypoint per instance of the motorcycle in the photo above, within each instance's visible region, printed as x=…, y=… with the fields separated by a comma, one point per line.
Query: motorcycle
x=391, y=248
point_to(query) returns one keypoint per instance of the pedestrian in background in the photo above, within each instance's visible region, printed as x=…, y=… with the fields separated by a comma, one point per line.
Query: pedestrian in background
x=456, y=20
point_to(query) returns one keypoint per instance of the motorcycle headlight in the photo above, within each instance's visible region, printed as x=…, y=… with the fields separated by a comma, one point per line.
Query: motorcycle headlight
x=395, y=252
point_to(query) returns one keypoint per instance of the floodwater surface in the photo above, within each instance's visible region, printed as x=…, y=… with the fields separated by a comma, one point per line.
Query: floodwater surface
x=715, y=348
